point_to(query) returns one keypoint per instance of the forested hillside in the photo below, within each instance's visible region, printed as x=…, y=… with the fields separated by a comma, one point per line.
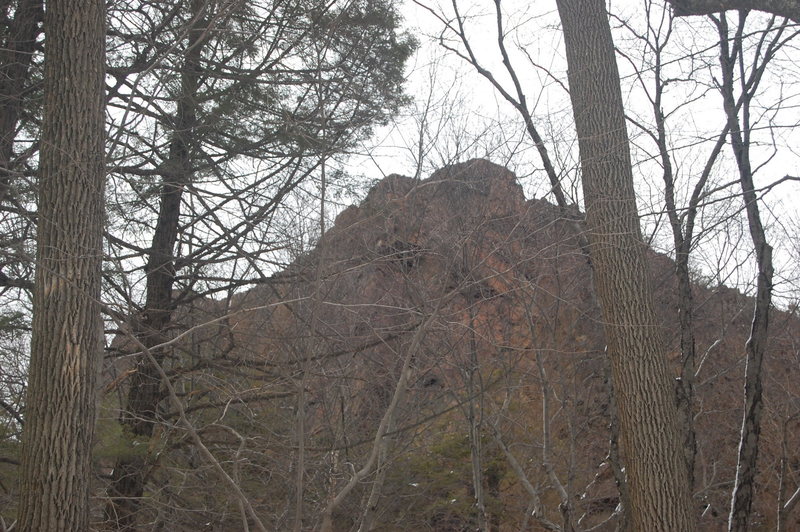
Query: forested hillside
x=223, y=308
x=441, y=340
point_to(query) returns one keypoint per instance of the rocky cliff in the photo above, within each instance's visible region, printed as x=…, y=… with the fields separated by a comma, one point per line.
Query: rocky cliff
x=485, y=300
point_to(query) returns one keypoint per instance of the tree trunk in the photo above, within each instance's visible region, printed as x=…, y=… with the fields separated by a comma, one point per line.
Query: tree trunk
x=67, y=326
x=371, y=508
x=16, y=55
x=683, y=245
x=744, y=486
x=649, y=427
x=139, y=415
x=475, y=422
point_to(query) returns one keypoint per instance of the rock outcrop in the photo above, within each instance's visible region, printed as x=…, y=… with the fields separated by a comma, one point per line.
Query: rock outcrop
x=494, y=297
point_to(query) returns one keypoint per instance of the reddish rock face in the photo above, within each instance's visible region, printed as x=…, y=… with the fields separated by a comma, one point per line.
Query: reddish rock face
x=511, y=340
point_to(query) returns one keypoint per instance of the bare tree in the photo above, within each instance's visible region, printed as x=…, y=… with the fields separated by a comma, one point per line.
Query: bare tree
x=740, y=131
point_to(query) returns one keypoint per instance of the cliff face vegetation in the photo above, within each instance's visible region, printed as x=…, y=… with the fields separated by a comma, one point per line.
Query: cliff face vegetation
x=435, y=363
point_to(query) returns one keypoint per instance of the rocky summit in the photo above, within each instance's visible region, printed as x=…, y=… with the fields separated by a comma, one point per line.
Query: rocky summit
x=437, y=363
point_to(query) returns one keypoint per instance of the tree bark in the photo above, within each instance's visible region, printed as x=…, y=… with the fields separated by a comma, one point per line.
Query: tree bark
x=67, y=327
x=139, y=414
x=649, y=427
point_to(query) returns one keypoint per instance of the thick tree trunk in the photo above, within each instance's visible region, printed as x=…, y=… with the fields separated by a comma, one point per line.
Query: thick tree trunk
x=649, y=427
x=67, y=326
x=140, y=413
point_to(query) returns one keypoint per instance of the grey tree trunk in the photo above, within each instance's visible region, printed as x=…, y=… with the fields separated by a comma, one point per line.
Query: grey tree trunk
x=67, y=326
x=649, y=426
x=744, y=485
